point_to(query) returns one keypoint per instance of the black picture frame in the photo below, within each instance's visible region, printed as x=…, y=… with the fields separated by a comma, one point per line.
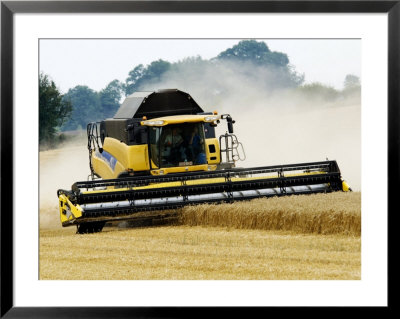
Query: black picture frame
x=9, y=8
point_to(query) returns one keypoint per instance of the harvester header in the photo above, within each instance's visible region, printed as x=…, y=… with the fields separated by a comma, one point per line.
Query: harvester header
x=160, y=152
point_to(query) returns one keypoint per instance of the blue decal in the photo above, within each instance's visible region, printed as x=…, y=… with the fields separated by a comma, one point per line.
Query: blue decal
x=108, y=158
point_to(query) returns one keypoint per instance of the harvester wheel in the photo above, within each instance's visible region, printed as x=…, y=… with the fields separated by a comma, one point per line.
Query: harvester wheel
x=89, y=228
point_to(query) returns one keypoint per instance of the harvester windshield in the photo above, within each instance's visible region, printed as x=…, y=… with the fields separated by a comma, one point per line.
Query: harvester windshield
x=178, y=145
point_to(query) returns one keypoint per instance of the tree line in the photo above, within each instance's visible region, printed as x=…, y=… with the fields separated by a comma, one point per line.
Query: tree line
x=81, y=104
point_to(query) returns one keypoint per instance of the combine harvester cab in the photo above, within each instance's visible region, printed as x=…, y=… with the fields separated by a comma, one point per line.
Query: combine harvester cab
x=160, y=153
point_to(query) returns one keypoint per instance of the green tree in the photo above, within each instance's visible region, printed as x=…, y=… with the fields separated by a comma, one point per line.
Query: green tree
x=352, y=86
x=256, y=52
x=140, y=75
x=319, y=91
x=134, y=77
x=351, y=81
x=110, y=98
x=86, y=107
x=53, y=109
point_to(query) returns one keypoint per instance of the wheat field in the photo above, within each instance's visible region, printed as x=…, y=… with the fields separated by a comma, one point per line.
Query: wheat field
x=310, y=237
x=197, y=253
x=332, y=213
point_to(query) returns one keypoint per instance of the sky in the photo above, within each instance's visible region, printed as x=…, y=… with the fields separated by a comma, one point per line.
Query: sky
x=97, y=62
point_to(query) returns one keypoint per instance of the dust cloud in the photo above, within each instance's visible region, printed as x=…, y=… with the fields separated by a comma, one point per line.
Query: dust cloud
x=278, y=137
x=59, y=169
x=276, y=125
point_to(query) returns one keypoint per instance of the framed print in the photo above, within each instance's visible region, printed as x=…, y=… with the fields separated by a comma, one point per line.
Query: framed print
x=275, y=98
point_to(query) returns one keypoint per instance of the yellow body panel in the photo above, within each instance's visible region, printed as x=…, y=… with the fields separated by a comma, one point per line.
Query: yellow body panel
x=68, y=211
x=345, y=187
x=216, y=154
x=101, y=167
x=180, y=169
x=134, y=156
x=119, y=168
x=153, y=166
x=178, y=119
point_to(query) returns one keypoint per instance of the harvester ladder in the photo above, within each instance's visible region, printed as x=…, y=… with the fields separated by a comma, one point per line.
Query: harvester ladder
x=93, y=144
x=229, y=149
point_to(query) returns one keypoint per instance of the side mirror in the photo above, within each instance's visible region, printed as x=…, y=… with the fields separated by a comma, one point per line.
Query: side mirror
x=230, y=127
x=230, y=124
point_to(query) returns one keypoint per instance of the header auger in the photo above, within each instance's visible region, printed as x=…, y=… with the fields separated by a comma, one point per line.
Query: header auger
x=160, y=152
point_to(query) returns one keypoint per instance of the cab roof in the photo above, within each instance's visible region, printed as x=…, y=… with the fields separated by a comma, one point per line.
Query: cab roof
x=157, y=104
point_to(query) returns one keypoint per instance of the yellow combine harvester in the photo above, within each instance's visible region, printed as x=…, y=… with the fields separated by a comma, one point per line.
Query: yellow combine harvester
x=160, y=152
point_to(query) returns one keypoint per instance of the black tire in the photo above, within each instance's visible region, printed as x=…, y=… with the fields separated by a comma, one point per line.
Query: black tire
x=90, y=228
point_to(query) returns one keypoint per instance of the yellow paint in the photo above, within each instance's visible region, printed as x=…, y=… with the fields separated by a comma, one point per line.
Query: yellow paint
x=101, y=167
x=204, y=181
x=178, y=119
x=133, y=157
x=118, y=169
x=153, y=166
x=345, y=186
x=68, y=211
x=213, y=141
x=180, y=169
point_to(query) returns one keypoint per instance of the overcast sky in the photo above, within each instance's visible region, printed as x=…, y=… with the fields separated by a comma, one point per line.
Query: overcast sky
x=95, y=63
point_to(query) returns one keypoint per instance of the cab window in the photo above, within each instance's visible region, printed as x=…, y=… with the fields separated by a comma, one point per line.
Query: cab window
x=178, y=145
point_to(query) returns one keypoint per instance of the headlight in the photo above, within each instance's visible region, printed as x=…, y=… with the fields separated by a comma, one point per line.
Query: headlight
x=211, y=118
x=153, y=123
